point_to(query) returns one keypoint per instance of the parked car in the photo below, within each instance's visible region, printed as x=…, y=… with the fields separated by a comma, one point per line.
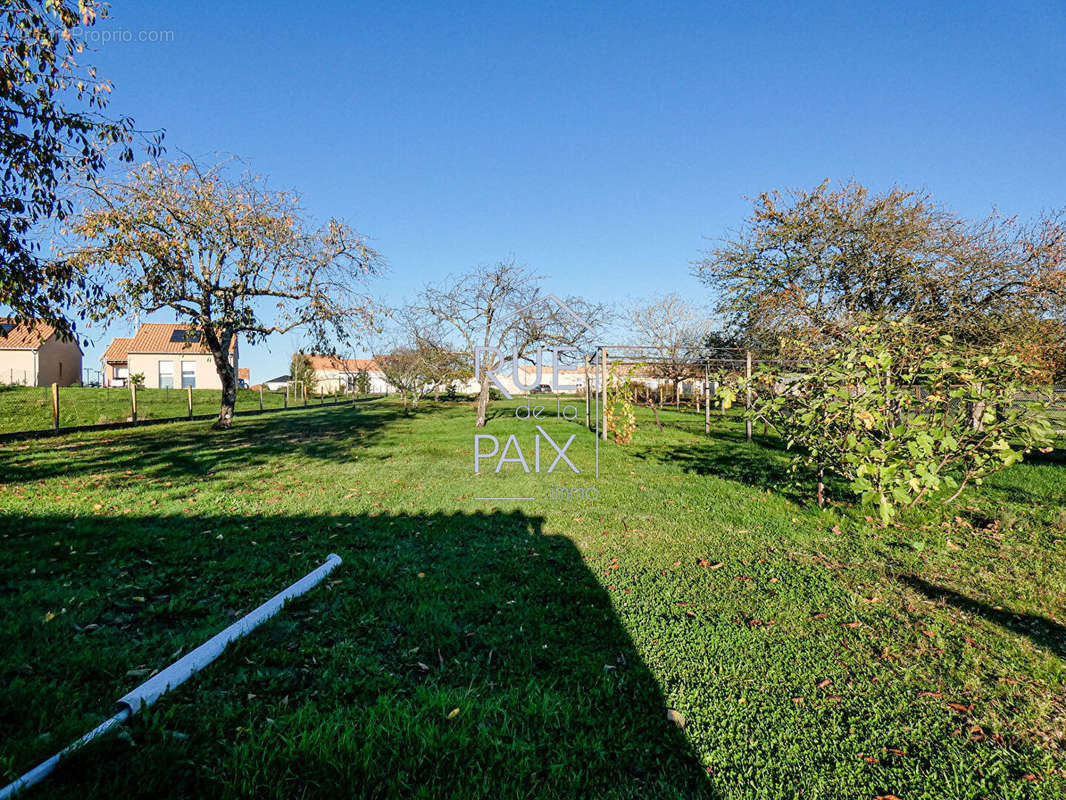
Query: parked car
x=544, y=388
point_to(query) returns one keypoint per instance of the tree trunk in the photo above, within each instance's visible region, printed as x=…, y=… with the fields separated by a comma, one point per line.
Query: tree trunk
x=483, y=402
x=229, y=392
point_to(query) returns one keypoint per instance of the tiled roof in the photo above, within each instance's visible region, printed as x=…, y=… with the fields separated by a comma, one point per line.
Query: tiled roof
x=155, y=337
x=243, y=372
x=23, y=336
x=342, y=364
x=116, y=351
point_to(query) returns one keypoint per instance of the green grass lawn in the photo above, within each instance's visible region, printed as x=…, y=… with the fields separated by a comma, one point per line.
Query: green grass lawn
x=29, y=408
x=810, y=653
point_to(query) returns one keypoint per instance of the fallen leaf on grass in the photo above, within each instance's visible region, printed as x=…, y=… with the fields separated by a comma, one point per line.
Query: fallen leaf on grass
x=930, y=694
x=675, y=717
x=961, y=708
x=453, y=713
x=823, y=683
x=855, y=624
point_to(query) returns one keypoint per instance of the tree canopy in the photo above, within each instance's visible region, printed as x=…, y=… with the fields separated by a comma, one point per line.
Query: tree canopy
x=52, y=132
x=226, y=254
x=808, y=261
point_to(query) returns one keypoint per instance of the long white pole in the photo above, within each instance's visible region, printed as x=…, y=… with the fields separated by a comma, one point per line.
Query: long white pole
x=176, y=674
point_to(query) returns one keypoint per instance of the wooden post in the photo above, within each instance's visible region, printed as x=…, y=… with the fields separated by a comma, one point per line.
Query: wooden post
x=305, y=392
x=603, y=390
x=260, y=398
x=188, y=398
x=747, y=395
x=133, y=401
x=55, y=406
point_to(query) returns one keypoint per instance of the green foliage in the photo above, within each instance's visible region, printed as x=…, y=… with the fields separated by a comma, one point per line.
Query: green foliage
x=53, y=133
x=137, y=379
x=301, y=371
x=362, y=381
x=900, y=412
x=618, y=413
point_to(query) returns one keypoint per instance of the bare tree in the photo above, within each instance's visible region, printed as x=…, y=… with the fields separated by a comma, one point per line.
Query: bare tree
x=674, y=331
x=228, y=255
x=498, y=306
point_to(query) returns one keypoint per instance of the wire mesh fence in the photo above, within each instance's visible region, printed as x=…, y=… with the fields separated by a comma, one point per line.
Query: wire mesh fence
x=30, y=409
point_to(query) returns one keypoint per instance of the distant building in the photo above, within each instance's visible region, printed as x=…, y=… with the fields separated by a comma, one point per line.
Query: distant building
x=169, y=356
x=114, y=363
x=33, y=354
x=278, y=383
x=335, y=374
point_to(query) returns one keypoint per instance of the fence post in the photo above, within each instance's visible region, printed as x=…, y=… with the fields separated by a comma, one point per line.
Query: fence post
x=747, y=395
x=55, y=406
x=286, y=396
x=706, y=400
x=603, y=389
x=260, y=399
x=133, y=402
x=305, y=393
x=588, y=392
x=188, y=394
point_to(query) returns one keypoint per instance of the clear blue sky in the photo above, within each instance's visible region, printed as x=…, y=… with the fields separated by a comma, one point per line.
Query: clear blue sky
x=602, y=145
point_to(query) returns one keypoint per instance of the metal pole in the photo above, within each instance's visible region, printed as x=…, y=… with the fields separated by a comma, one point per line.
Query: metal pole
x=747, y=394
x=588, y=398
x=260, y=398
x=188, y=397
x=706, y=400
x=133, y=402
x=603, y=390
x=55, y=406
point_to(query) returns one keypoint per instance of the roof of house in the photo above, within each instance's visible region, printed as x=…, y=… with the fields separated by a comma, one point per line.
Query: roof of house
x=319, y=362
x=160, y=337
x=243, y=372
x=21, y=336
x=116, y=351
x=280, y=379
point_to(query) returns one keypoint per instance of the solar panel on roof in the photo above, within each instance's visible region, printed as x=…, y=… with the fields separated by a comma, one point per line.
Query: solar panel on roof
x=180, y=335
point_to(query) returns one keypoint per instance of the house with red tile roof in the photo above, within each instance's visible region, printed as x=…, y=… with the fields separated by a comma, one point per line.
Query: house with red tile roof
x=336, y=374
x=168, y=355
x=33, y=354
x=114, y=363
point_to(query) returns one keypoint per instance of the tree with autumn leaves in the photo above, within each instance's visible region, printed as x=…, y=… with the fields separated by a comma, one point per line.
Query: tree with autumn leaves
x=806, y=263
x=229, y=256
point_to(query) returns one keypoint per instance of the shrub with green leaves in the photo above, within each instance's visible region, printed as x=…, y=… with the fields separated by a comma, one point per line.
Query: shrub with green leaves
x=900, y=412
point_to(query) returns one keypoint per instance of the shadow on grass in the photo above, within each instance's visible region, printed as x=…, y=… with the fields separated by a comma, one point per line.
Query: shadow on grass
x=1040, y=630
x=195, y=449
x=452, y=655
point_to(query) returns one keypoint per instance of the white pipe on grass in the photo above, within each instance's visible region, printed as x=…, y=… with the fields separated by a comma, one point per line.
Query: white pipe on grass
x=176, y=674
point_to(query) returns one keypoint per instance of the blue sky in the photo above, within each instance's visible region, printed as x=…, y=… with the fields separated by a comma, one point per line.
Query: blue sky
x=603, y=145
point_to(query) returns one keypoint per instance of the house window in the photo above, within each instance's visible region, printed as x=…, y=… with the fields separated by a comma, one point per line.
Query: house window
x=166, y=374
x=188, y=374
x=121, y=373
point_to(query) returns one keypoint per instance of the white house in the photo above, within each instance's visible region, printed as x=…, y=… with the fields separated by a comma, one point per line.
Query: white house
x=34, y=354
x=167, y=355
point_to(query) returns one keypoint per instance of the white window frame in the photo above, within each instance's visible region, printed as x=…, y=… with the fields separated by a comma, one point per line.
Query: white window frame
x=168, y=374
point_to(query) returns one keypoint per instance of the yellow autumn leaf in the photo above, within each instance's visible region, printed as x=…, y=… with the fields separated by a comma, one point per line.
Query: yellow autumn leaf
x=453, y=713
x=49, y=617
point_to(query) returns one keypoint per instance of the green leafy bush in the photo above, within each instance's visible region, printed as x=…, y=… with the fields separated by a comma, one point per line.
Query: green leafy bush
x=900, y=412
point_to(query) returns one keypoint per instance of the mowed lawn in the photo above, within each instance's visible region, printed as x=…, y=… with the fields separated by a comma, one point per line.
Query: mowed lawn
x=29, y=408
x=526, y=648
